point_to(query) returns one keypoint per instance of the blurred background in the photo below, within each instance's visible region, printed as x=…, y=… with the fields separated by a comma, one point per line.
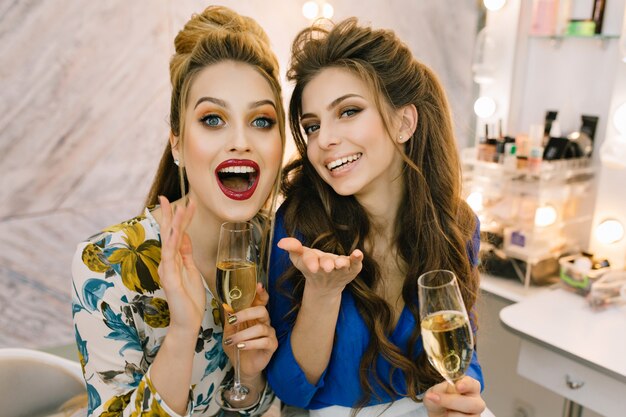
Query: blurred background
x=84, y=110
x=84, y=113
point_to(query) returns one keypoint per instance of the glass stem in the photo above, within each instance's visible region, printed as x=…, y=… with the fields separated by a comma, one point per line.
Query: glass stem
x=238, y=391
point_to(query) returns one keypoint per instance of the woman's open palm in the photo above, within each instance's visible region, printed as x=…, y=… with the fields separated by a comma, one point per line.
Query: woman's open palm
x=323, y=271
x=180, y=278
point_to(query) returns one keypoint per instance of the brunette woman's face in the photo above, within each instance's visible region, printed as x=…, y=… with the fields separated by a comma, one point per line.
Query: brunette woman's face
x=347, y=141
x=232, y=148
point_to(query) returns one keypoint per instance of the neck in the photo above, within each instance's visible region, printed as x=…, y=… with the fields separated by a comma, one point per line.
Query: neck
x=382, y=210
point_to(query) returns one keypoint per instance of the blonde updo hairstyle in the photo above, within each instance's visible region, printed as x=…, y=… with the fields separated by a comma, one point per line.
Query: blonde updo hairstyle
x=215, y=35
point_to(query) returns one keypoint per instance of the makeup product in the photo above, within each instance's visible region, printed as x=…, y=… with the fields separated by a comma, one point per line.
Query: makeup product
x=534, y=160
x=522, y=145
x=556, y=148
x=589, y=125
x=581, y=27
x=535, y=135
x=544, y=17
x=597, y=15
x=490, y=153
x=583, y=140
x=510, y=160
x=583, y=143
x=563, y=16
x=547, y=126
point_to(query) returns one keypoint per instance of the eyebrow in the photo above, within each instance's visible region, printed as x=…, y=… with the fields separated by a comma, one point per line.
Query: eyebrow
x=222, y=103
x=333, y=103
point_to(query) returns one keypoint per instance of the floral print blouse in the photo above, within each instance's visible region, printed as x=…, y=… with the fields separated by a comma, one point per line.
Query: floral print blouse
x=121, y=317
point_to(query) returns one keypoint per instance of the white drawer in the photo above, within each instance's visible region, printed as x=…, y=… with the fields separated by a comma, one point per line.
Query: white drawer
x=570, y=379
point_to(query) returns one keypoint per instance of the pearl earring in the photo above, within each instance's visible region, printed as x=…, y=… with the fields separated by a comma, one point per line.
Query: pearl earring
x=177, y=162
x=400, y=138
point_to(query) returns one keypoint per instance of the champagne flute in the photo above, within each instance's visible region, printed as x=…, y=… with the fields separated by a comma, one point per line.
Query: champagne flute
x=446, y=332
x=236, y=287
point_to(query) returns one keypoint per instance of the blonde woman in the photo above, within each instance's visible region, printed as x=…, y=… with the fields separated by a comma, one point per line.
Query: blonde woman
x=148, y=326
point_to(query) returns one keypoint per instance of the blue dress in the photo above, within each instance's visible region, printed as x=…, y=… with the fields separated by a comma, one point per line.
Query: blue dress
x=339, y=383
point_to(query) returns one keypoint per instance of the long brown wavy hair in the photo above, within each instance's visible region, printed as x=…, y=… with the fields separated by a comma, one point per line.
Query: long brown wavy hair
x=215, y=35
x=434, y=225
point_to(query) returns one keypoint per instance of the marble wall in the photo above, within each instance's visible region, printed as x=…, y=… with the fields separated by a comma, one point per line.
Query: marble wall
x=84, y=96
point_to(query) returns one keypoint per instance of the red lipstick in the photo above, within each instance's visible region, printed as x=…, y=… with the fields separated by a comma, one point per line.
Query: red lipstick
x=238, y=178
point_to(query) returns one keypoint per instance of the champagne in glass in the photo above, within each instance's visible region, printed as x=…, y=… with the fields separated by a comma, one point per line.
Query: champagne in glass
x=236, y=280
x=236, y=283
x=446, y=332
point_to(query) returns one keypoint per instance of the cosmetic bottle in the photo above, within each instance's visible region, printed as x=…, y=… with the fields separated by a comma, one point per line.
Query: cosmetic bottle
x=547, y=125
x=563, y=16
x=597, y=15
x=521, y=154
x=490, y=150
x=544, y=17
x=534, y=160
x=510, y=160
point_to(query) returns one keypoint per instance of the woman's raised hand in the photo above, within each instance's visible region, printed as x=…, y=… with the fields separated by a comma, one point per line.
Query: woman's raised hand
x=461, y=400
x=180, y=278
x=323, y=271
x=254, y=336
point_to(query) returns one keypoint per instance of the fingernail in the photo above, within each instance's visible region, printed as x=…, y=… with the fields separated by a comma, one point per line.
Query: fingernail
x=228, y=341
x=232, y=319
x=241, y=345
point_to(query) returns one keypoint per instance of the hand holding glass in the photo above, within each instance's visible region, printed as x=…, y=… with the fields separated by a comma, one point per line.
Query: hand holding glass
x=446, y=332
x=236, y=287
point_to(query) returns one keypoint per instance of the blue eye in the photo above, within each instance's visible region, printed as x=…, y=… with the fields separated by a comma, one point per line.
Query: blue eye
x=263, y=122
x=349, y=112
x=310, y=129
x=212, y=120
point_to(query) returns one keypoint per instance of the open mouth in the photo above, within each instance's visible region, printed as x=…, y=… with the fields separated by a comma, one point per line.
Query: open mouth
x=343, y=162
x=237, y=178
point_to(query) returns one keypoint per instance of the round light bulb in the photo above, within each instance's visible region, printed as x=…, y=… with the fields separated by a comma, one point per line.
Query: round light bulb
x=475, y=201
x=310, y=9
x=609, y=231
x=484, y=107
x=545, y=216
x=494, y=5
x=619, y=119
x=328, y=11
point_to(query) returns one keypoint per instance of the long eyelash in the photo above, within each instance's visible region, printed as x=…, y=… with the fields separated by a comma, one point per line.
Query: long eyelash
x=207, y=116
x=270, y=121
x=352, y=109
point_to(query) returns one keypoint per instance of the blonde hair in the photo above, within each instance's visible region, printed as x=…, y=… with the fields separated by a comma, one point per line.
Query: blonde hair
x=215, y=35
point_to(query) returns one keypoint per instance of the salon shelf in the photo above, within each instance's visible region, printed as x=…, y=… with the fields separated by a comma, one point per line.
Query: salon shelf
x=565, y=171
x=509, y=199
x=556, y=40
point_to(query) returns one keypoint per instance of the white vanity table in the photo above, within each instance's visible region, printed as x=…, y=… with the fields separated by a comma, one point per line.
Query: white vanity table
x=566, y=347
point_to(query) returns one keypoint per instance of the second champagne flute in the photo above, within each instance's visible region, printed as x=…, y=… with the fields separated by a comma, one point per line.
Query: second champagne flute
x=236, y=287
x=446, y=332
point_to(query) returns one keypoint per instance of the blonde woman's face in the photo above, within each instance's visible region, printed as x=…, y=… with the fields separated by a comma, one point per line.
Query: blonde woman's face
x=347, y=141
x=232, y=147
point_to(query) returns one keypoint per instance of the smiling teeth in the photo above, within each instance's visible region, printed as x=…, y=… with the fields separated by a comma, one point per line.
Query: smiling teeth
x=238, y=170
x=338, y=162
